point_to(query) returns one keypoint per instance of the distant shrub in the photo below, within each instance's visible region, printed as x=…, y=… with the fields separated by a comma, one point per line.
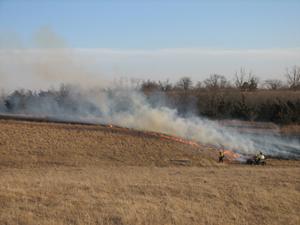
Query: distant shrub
x=280, y=112
x=225, y=109
x=149, y=86
x=243, y=111
x=17, y=101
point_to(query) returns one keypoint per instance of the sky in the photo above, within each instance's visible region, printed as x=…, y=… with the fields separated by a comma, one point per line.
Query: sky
x=91, y=42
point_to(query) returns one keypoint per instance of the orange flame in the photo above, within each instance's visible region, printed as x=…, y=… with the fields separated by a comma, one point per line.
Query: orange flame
x=235, y=155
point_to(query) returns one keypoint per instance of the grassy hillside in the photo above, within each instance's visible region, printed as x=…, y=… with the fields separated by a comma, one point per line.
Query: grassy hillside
x=32, y=144
x=55, y=173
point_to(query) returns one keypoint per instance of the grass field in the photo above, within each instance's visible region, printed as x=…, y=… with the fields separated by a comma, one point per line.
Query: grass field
x=54, y=173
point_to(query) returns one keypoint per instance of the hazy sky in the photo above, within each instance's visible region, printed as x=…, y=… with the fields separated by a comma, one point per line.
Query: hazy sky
x=91, y=42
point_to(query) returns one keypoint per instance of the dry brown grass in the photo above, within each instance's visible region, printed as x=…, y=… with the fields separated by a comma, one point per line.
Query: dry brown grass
x=32, y=144
x=145, y=195
x=77, y=174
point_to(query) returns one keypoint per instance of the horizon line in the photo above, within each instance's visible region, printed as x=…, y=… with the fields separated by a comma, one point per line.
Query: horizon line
x=164, y=51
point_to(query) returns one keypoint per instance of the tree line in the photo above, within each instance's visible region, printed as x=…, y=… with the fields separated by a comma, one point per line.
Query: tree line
x=241, y=80
x=216, y=98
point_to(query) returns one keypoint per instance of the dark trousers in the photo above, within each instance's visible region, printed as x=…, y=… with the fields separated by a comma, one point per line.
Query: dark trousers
x=221, y=159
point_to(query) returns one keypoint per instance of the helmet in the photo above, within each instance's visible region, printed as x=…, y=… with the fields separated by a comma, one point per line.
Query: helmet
x=255, y=155
x=261, y=152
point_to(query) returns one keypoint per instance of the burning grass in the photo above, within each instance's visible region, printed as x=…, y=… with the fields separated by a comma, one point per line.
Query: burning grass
x=78, y=174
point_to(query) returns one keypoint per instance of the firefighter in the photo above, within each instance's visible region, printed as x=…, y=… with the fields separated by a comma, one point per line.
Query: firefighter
x=221, y=157
x=261, y=156
x=256, y=159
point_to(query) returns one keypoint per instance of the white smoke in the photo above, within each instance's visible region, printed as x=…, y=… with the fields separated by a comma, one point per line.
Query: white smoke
x=126, y=108
x=133, y=110
x=121, y=106
x=45, y=60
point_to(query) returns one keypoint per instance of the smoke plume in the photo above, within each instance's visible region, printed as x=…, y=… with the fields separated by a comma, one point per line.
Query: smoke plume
x=124, y=107
x=43, y=60
x=119, y=105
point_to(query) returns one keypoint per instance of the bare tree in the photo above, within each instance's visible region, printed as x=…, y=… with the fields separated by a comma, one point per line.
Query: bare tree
x=136, y=83
x=198, y=85
x=239, y=79
x=149, y=86
x=185, y=83
x=273, y=84
x=293, y=77
x=216, y=81
x=125, y=83
x=165, y=85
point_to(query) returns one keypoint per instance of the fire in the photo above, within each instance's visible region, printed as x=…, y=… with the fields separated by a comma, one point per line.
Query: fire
x=230, y=153
x=227, y=152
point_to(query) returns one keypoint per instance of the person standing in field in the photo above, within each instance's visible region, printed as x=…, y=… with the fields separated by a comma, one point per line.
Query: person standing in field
x=261, y=156
x=221, y=157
